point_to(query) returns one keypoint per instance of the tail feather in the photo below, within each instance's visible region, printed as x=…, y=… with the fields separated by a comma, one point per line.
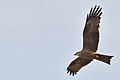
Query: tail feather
x=104, y=58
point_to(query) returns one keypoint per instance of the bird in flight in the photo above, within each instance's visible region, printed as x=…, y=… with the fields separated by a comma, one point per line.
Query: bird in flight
x=90, y=43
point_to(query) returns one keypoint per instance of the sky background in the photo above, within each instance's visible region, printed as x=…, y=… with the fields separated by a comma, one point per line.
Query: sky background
x=39, y=37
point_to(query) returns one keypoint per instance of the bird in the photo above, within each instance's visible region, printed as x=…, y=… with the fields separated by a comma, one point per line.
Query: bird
x=90, y=43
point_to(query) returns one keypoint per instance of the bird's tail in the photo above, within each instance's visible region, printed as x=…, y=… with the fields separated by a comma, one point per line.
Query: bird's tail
x=103, y=58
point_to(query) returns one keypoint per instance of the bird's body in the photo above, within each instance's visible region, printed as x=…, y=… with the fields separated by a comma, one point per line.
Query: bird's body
x=90, y=43
x=86, y=54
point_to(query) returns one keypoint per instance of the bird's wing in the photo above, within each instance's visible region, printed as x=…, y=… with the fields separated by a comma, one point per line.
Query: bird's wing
x=77, y=64
x=91, y=32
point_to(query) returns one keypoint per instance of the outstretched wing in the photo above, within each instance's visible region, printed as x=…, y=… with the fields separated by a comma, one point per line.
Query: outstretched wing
x=91, y=32
x=77, y=64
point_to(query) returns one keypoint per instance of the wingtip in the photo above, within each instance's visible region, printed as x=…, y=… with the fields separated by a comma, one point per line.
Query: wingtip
x=72, y=73
x=95, y=11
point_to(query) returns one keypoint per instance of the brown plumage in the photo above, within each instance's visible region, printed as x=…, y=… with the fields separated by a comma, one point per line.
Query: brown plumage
x=90, y=43
x=77, y=64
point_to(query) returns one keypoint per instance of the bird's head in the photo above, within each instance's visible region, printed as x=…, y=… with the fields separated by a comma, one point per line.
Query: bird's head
x=77, y=53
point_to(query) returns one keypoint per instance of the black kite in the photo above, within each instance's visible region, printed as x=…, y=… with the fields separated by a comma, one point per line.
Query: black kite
x=90, y=43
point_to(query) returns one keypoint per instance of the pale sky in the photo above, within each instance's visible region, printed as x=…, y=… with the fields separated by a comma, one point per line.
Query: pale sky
x=39, y=37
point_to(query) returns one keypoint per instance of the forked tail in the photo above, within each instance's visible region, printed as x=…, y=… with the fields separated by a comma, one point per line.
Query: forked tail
x=104, y=58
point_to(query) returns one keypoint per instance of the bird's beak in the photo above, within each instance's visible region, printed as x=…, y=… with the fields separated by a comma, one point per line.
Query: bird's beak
x=75, y=54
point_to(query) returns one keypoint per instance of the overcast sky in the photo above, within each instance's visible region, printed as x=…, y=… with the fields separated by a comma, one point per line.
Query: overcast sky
x=39, y=37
